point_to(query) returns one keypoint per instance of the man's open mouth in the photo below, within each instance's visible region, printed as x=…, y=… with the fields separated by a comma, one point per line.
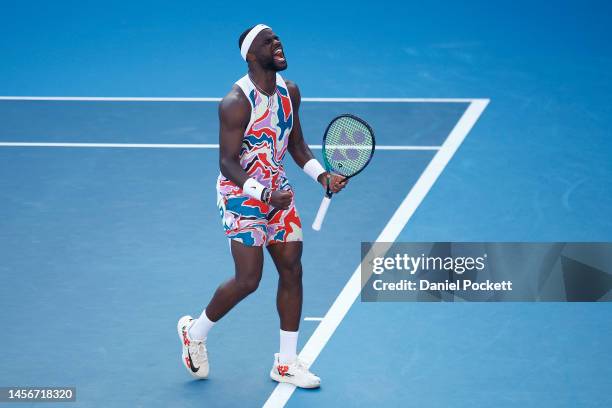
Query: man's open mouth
x=279, y=55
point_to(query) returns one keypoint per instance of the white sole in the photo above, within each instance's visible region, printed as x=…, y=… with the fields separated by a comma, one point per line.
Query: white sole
x=279, y=378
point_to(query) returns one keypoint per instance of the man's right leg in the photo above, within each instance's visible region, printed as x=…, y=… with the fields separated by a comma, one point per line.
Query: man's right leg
x=248, y=261
x=244, y=221
x=248, y=264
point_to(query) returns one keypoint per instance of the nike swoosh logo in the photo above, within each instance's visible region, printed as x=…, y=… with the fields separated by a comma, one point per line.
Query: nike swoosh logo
x=193, y=369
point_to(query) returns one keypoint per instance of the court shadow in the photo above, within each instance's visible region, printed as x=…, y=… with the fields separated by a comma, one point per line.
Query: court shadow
x=198, y=384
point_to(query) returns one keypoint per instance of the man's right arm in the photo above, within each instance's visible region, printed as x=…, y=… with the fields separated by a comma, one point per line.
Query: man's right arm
x=234, y=116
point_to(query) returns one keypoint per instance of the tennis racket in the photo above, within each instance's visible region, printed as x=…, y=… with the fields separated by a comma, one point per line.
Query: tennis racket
x=348, y=147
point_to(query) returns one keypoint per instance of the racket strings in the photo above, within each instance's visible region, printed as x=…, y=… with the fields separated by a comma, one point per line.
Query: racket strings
x=348, y=146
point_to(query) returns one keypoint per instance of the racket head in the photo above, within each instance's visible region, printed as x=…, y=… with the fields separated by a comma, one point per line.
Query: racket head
x=348, y=145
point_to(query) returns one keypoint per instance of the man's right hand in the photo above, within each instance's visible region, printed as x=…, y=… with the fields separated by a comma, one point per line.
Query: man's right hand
x=281, y=199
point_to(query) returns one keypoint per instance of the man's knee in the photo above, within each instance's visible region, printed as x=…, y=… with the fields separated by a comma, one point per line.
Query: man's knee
x=249, y=284
x=291, y=274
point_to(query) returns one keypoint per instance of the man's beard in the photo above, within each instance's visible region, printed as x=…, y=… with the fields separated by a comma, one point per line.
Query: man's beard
x=272, y=65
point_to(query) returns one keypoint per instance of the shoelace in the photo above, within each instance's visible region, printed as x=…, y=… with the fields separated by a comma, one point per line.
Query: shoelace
x=301, y=366
x=198, y=351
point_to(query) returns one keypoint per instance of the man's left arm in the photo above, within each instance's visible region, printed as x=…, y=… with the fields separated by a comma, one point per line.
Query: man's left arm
x=298, y=148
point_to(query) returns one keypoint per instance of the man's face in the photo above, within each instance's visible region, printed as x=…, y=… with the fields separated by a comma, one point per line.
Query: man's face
x=268, y=51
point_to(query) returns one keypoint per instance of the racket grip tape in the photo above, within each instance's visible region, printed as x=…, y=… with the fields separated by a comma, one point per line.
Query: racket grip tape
x=318, y=221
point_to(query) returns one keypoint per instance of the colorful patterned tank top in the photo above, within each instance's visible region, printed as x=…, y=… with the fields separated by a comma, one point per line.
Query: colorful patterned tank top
x=266, y=137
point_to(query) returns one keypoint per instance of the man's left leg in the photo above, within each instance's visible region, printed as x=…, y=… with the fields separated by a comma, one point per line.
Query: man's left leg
x=288, y=260
x=287, y=368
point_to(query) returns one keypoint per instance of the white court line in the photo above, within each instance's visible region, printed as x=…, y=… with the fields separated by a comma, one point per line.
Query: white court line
x=389, y=147
x=313, y=319
x=216, y=99
x=338, y=310
x=111, y=145
x=175, y=145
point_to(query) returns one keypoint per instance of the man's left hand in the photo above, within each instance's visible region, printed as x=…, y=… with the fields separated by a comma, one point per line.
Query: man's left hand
x=336, y=182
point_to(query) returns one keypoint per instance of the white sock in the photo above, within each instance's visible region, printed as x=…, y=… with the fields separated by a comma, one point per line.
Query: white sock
x=199, y=330
x=288, y=346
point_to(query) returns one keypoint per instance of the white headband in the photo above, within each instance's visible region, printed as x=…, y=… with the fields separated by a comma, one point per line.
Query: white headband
x=248, y=40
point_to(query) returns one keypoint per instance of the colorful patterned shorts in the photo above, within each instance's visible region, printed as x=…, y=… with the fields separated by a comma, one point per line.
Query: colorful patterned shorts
x=254, y=223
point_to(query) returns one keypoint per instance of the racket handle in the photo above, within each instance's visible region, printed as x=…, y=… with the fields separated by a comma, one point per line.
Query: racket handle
x=316, y=225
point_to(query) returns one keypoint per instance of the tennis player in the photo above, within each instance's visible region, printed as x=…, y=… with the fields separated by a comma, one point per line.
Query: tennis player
x=259, y=123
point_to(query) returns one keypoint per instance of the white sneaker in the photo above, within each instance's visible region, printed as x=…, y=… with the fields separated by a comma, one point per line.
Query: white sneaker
x=295, y=373
x=195, y=355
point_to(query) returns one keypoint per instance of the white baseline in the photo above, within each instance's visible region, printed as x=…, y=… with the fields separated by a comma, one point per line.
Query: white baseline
x=216, y=99
x=176, y=145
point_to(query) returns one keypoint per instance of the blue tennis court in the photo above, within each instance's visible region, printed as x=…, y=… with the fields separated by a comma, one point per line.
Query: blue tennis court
x=109, y=229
